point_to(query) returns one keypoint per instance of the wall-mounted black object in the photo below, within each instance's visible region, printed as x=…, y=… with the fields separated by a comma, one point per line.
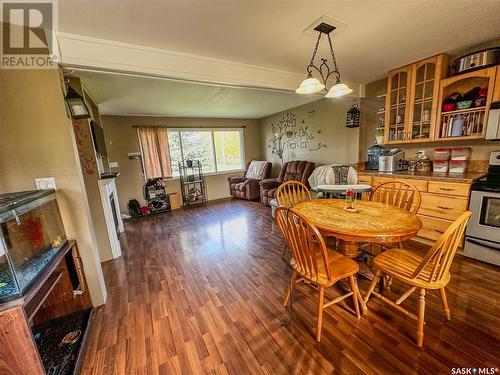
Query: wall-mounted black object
x=353, y=117
x=98, y=137
x=76, y=104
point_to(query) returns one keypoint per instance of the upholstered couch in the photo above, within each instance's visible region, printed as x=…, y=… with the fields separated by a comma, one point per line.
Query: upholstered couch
x=248, y=188
x=296, y=170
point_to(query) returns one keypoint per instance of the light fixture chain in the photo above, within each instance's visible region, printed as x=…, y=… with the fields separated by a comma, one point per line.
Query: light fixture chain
x=315, y=51
x=334, y=60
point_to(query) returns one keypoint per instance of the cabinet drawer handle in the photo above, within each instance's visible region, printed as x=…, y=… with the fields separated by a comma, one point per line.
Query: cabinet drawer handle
x=446, y=189
x=439, y=231
x=445, y=208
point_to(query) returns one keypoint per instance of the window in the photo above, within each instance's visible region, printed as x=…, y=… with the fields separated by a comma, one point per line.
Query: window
x=219, y=150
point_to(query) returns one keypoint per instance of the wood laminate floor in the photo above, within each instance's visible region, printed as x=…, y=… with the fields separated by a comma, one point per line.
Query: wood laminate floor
x=201, y=290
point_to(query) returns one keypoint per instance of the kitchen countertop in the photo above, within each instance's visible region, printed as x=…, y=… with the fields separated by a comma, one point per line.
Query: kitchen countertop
x=467, y=177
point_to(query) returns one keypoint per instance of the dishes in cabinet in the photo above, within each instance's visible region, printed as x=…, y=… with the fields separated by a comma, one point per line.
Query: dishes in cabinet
x=447, y=107
x=464, y=104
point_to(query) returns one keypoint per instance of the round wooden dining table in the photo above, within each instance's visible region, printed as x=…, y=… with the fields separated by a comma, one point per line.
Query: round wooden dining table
x=373, y=222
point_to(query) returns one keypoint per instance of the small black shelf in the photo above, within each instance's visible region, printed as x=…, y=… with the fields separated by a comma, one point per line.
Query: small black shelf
x=193, y=185
x=155, y=195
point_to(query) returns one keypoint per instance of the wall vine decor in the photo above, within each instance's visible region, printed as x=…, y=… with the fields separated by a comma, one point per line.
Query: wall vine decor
x=83, y=141
x=287, y=134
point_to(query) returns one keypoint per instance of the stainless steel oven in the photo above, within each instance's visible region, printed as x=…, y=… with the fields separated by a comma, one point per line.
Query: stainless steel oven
x=482, y=240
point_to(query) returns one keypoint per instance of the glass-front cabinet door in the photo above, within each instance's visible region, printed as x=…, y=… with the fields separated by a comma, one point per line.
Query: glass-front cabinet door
x=396, y=112
x=412, y=100
x=426, y=76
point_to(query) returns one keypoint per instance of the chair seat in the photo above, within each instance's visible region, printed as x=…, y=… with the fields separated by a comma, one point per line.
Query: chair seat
x=340, y=268
x=401, y=264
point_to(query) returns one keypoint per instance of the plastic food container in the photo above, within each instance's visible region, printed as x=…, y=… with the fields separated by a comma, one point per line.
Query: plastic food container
x=460, y=153
x=440, y=166
x=458, y=166
x=442, y=153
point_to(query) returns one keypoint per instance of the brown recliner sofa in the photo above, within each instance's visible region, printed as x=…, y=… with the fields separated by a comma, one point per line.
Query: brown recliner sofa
x=296, y=170
x=248, y=188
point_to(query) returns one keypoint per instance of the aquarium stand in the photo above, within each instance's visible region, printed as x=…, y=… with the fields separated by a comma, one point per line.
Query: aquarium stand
x=55, y=302
x=193, y=186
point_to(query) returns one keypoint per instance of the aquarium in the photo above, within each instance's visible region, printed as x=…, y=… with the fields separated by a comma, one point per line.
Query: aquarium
x=31, y=234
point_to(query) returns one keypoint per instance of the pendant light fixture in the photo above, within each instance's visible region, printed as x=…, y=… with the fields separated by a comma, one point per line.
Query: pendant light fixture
x=311, y=84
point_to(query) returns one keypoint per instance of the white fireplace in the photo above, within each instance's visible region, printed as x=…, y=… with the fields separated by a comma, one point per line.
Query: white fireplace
x=111, y=208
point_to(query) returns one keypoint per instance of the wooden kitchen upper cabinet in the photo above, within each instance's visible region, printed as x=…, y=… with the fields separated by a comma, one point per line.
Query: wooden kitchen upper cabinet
x=424, y=99
x=412, y=100
x=469, y=123
x=496, y=92
x=396, y=104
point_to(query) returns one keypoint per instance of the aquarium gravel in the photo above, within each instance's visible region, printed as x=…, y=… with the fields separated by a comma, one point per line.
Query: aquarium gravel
x=26, y=273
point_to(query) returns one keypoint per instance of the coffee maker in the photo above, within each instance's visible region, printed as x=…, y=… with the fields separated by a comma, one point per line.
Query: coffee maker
x=373, y=154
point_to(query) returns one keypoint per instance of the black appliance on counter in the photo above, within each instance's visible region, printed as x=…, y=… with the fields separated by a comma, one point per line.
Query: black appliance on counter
x=482, y=237
x=373, y=153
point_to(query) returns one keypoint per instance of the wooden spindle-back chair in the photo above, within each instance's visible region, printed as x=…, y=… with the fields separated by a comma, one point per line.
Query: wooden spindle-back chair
x=430, y=272
x=288, y=195
x=398, y=194
x=313, y=262
x=292, y=192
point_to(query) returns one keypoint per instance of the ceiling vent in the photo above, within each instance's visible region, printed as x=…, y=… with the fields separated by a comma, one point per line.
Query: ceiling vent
x=323, y=23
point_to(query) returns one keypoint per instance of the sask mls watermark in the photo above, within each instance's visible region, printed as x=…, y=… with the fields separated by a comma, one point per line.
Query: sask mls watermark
x=28, y=34
x=474, y=370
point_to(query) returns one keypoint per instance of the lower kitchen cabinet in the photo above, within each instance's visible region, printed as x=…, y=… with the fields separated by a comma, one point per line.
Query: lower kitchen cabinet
x=442, y=201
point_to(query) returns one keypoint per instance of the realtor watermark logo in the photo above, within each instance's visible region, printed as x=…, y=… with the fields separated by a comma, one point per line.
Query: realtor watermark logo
x=474, y=370
x=28, y=34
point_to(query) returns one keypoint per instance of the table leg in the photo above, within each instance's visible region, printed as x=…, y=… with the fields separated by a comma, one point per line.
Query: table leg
x=349, y=249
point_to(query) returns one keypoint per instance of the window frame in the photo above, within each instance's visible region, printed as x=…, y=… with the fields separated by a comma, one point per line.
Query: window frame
x=212, y=130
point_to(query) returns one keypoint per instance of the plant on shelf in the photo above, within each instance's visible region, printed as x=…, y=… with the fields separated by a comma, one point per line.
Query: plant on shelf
x=379, y=136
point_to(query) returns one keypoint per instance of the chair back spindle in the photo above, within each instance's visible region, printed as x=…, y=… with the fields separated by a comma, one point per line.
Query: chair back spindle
x=280, y=216
x=306, y=243
x=437, y=262
x=398, y=194
x=292, y=192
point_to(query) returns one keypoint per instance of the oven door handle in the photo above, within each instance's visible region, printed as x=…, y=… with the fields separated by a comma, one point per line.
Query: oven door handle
x=475, y=242
x=487, y=188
